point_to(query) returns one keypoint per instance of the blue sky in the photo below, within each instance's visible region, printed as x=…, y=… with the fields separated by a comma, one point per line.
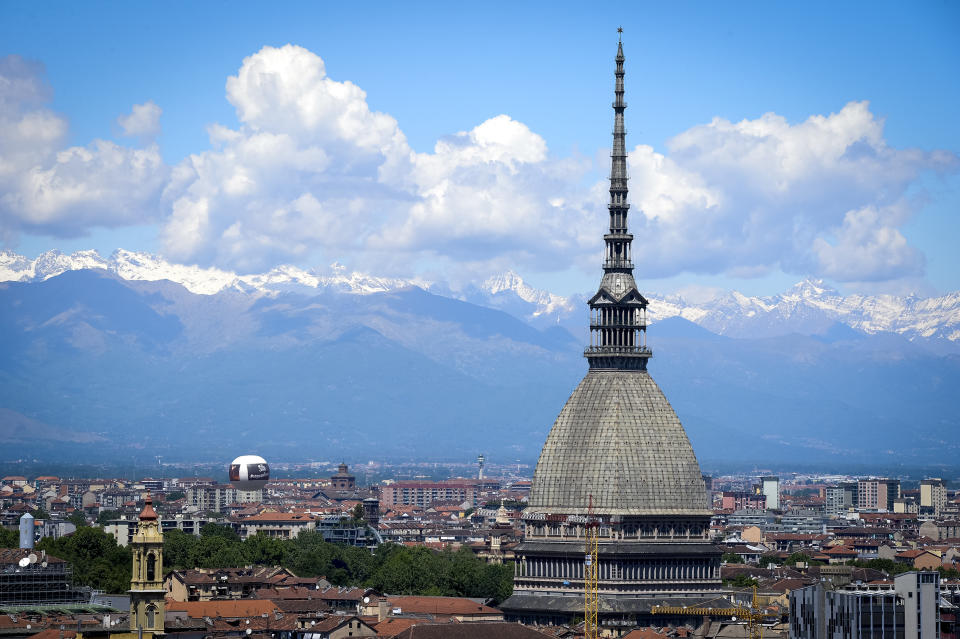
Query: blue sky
x=714, y=220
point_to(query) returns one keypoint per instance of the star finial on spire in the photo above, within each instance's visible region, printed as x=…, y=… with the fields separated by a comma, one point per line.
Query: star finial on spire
x=619, y=34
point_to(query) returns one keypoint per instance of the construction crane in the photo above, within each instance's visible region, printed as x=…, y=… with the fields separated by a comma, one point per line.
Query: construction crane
x=591, y=572
x=752, y=614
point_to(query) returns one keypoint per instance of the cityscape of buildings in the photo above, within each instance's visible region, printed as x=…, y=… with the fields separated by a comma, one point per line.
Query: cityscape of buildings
x=804, y=541
x=616, y=532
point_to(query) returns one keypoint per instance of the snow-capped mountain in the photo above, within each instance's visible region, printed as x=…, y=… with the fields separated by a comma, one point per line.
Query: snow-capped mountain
x=507, y=291
x=129, y=265
x=810, y=307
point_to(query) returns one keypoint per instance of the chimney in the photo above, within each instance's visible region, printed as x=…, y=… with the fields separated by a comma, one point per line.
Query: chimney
x=383, y=607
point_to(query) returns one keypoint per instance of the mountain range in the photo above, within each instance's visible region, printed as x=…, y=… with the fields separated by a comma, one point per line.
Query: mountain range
x=134, y=356
x=808, y=308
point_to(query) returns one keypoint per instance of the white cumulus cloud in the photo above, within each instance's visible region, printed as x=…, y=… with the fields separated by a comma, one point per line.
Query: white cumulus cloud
x=48, y=188
x=312, y=172
x=823, y=197
x=142, y=122
x=312, y=167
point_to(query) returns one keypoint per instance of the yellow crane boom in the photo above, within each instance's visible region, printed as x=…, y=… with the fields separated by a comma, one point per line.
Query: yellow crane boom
x=752, y=614
x=591, y=574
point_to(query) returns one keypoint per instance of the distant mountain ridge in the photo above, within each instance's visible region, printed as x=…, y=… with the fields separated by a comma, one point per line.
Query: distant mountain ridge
x=96, y=366
x=130, y=265
x=808, y=308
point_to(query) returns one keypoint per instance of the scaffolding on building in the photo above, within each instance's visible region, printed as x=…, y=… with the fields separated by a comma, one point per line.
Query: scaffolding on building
x=43, y=581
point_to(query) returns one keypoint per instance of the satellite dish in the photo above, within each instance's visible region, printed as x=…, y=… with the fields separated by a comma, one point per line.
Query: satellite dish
x=249, y=472
x=23, y=563
x=32, y=557
x=44, y=564
x=366, y=600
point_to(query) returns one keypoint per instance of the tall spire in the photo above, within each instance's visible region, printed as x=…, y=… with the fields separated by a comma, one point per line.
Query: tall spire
x=618, y=312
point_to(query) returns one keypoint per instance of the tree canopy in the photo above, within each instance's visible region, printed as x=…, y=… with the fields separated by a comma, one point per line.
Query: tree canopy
x=391, y=568
x=98, y=561
x=96, y=558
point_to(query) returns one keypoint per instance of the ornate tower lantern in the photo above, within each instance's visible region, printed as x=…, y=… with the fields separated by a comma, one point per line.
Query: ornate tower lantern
x=618, y=312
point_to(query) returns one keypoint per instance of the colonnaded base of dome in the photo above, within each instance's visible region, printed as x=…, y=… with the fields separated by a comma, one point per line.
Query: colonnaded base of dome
x=641, y=562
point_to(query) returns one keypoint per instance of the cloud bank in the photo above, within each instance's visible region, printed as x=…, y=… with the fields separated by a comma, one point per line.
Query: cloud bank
x=311, y=169
x=48, y=188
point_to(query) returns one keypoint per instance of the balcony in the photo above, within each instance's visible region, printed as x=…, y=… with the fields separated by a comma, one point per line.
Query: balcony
x=636, y=351
x=639, y=324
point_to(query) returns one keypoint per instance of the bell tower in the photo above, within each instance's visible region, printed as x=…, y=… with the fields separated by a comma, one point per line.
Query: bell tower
x=146, y=584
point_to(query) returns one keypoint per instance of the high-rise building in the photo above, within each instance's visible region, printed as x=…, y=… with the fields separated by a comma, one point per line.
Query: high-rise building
x=834, y=503
x=878, y=493
x=617, y=455
x=910, y=610
x=840, y=499
x=770, y=487
x=933, y=497
x=216, y=497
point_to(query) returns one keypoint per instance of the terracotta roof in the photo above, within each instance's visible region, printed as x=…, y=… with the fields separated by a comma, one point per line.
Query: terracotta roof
x=192, y=577
x=392, y=626
x=862, y=531
x=302, y=606
x=287, y=593
x=333, y=622
x=840, y=550
x=474, y=630
x=272, y=622
x=7, y=622
x=337, y=593
x=55, y=633
x=440, y=605
x=280, y=517
x=226, y=608
x=645, y=633
x=148, y=514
